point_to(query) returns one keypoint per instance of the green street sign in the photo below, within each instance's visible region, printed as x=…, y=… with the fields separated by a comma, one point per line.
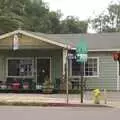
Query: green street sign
x=81, y=51
x=82, y=47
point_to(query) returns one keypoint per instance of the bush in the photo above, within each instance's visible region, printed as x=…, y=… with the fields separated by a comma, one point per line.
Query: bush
x=20, y=91
x=48, y=86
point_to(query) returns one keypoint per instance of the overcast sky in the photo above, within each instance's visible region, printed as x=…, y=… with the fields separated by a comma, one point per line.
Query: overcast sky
x=83, y=9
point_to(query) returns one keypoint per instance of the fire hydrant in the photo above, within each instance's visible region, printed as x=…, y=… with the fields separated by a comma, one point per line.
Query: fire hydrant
x=96, y=94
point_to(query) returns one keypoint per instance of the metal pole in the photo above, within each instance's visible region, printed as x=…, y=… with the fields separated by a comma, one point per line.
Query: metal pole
x=82, y=73
x=80, y=82
x=105, y=96
x=67, y=82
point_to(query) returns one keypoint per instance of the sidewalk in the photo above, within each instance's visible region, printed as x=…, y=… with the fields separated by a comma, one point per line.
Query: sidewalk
x=55, y=99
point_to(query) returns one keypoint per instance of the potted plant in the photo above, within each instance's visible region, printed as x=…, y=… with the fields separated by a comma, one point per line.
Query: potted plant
x=25, y=85
x=48, y=86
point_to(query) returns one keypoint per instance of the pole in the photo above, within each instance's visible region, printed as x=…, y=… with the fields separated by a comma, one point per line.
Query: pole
x=105, y=96
x=67, y=82
x=82, y=73
x=118, y=76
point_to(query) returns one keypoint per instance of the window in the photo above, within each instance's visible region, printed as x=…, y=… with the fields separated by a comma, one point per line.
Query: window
x=90, y=67
x=20, y=67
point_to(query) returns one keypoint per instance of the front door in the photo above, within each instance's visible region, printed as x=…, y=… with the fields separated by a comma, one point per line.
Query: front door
x=43, y=70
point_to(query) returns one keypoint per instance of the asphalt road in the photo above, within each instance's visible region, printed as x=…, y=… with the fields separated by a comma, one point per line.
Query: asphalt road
x=56, y=113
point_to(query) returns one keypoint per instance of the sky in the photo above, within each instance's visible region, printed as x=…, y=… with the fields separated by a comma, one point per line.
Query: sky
x=83, y=9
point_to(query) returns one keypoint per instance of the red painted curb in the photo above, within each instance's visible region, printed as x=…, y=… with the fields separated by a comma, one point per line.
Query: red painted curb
x=74, y=105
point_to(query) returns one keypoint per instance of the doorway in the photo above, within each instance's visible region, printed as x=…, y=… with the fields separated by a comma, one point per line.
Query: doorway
x=43, y=70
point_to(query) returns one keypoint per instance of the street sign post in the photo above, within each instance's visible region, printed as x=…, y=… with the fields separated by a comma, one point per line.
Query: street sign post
x=81, y=57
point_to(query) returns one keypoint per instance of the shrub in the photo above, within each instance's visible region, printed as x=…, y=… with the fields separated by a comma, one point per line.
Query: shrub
x=48, y=86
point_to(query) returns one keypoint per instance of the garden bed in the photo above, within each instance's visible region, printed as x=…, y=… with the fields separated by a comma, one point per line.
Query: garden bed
x=20, y=91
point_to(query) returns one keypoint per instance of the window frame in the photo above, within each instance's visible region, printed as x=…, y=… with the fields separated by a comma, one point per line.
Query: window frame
x=18, y=58
x=74, y=76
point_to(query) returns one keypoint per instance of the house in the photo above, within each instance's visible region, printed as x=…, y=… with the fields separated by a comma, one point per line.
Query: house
x=31, y=56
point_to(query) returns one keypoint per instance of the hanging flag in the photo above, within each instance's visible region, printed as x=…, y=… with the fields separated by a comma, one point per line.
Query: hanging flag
x=15, y=42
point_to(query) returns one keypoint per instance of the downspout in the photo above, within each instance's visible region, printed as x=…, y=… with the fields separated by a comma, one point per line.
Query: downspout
x=118, y=77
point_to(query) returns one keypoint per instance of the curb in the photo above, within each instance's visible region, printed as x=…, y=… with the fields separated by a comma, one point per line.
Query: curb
x=44, y=104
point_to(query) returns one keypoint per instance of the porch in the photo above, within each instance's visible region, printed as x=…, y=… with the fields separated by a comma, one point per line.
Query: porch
x=33, y=61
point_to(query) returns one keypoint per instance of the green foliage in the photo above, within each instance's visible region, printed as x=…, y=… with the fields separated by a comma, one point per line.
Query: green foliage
x=48, y=86
x=108, y=21
x=73, y=25
x=34, y=15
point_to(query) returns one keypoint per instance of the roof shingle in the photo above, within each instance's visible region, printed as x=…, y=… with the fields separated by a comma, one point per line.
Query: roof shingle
x=99, y=41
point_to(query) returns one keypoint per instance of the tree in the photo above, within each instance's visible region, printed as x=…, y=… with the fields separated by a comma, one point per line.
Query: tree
x=73, y=25
x=11, y=15
x=34, y=15
x=108, y=21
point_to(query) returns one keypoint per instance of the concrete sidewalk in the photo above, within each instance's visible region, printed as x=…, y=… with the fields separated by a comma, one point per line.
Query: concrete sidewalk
x=56, y=98
x=74, y=99
x=113, y=98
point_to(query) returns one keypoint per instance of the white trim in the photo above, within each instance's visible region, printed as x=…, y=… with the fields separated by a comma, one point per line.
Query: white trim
x=20, y=77
x=9, y=34
x=52, y=42
x=20, y=58
x=50, y=66
x=98, y=66
x=76, y=76
x=118, y=77
x=44, y=39
x=33, y=69
x=34, y=36
x=98, y=72
x=100, y=50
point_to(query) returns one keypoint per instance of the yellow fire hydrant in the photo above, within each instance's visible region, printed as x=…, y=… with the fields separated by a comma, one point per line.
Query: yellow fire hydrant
x=96, y=95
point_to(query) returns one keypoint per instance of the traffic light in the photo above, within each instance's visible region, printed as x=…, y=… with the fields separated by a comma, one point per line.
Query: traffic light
x=116, y=56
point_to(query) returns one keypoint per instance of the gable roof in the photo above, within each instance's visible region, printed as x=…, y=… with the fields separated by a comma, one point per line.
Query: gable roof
x=57, y=43
x=96, y=42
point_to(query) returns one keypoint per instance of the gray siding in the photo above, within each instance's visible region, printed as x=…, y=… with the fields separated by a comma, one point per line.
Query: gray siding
x=108, y=72
x=107, y=66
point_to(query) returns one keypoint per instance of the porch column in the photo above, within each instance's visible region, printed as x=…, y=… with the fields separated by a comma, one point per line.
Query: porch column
x=65, y=73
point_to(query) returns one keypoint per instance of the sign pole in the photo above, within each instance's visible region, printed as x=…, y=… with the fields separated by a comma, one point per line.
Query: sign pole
x=81, y=57
x=67, y=86
x=82, y=70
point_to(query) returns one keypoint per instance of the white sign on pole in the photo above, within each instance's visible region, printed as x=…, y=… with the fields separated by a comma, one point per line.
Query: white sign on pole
x=82, y=58
x=15, y=42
